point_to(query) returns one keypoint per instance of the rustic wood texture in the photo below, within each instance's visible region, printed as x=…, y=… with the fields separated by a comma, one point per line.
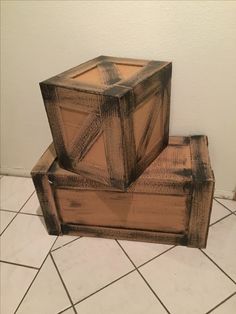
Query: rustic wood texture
x=202, y=197
x=45, y=192
x=125, y=234
x=127, y=100
x=126, y=210
x=169, y=203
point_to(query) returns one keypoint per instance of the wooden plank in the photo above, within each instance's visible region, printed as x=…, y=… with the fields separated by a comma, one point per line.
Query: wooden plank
x=73, y=84
x=149, y=69
x=95, y=155
x=49, y=94
x=93, y=172
x=77, y=69
x=202, y=194
x=125, y=234
x=46, y=160
x=86, y=136
x=44, y=190
x=127, y=138
x=127, y=210
x=109, y=73
x=128, y=61
x=166, y=110
x=62, y=178
x=113, y=141
x=78, y=100
x=47, y=203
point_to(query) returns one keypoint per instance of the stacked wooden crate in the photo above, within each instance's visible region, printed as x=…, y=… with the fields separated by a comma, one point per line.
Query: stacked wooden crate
x=112, y=170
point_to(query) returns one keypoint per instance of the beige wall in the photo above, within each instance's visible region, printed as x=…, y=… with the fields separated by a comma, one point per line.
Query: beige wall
x=40, y=39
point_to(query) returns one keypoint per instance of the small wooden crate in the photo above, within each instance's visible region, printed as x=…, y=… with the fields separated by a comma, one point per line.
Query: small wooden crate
x=109, y=117
x=169, y=203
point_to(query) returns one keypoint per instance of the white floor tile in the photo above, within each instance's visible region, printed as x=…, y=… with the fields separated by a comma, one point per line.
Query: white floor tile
x=26, y=241
x=47, y=294
x=221, y=245
x=15, y=280
x=14, y=192
x=231, y=205
x=89, y=264
x=32, y=206
x=229, y=307
x=141, y=252
x=218, y=212
x=187, y=281
x=63, y=240
x=5, y=218
x=128, y=295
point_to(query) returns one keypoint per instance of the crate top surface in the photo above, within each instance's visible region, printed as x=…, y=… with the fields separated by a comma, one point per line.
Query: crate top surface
x=184, y=164
x=110, y=76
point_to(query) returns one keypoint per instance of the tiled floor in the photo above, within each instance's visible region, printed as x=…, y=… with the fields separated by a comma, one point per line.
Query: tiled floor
x=43, y=274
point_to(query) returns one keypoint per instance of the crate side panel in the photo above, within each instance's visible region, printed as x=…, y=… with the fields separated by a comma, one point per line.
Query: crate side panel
x=116, y=209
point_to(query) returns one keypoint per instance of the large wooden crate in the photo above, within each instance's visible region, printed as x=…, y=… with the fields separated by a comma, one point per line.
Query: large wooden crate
x=169, y=203
x=109, y=117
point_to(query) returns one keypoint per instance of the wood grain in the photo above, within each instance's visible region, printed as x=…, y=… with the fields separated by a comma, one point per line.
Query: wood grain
x=44, y=191
x=169, y=203
x=119, y=98
x=203, y=180
x=125, y=234
x=124, y=210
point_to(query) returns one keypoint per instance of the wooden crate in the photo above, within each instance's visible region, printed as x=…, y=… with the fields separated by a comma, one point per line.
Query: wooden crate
x=169, y=203
x=109, y=117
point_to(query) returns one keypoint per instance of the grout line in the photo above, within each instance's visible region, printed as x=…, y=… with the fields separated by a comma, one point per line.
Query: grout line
x=223, y=205
x=156, y=256
x=221, y=219
x=63, y=283
x=8, y=223
x=63, y=311
x=222, y=302
x=143, y=278
x=217, y=265
x=65, y=244
x=110, y=283
x=153, y=291
x=17, y=264
x=34, y=279
x=17, y=213
x=36, y=215
x=12, y=211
